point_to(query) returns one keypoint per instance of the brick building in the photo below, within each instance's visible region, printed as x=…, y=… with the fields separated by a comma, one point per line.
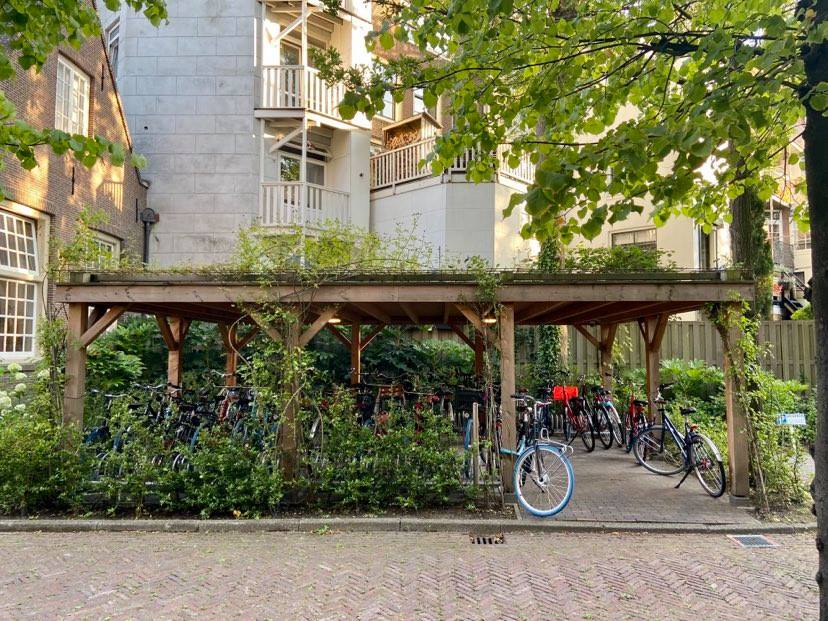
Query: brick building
x=75, y=92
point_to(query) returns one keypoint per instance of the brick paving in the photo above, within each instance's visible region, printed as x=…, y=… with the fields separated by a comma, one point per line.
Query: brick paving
x=611, y=486
x=403, y=576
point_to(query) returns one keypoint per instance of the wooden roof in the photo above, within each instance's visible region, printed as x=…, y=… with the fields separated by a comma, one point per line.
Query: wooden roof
x=409, y=298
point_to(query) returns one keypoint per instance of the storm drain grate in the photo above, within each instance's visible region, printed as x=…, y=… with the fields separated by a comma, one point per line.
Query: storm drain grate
x=486, y=539
x=753, y=541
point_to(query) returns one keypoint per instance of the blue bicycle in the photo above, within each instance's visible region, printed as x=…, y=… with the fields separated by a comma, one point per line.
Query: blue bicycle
x=543, y=476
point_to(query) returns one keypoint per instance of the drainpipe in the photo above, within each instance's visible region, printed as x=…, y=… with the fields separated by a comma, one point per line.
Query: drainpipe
x=148, y=217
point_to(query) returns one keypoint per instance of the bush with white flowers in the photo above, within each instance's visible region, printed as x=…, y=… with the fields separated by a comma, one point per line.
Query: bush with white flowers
x=12, y=397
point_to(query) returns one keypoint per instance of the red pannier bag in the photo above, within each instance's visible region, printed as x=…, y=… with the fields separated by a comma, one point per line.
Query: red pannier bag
x=558, y=392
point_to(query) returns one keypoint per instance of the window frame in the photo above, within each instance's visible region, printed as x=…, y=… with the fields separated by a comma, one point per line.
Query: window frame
x=381, y=114
x=115, y=27
x=103, y=239
x=647, y=245
x=74, y=71
x=298, y=158
x=37, y=278
x=420, y=98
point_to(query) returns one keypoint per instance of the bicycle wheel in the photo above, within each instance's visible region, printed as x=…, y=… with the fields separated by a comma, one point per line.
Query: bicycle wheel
x=619, y=431
x=543, y=480
x=586, y=431
x=603, y=427
x=708, y=464
x=658, y=451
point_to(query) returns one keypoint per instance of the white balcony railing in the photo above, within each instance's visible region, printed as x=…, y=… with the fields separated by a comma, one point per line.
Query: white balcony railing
x=295, y=86
x=283, y=206
x=404, y=164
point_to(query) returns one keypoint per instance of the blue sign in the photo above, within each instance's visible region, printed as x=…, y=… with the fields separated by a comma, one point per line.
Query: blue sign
x=792, y=419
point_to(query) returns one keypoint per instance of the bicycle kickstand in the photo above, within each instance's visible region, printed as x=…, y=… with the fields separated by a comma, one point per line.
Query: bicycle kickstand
x=686, y=474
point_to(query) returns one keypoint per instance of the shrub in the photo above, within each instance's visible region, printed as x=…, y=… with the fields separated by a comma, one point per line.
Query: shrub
x=410, y=464
x=806, y=312
x=37, y=471
x=228, y=477
x=618, y=259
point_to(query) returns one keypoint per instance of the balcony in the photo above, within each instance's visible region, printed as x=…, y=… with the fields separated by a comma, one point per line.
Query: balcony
x=293, y=203
x=401, y=165
x=299, y=88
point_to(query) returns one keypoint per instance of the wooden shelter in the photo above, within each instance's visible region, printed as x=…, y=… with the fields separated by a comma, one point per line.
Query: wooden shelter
x=594, y=303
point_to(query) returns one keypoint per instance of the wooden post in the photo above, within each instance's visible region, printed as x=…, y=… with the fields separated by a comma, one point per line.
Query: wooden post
x=73, y=396
x=478, y=354
x=356, y=352
x=652, y=329
x=607, y=339
x=287, y=430
x=507, y=389
x=737, y=440
x=175, y=363
x=228, y=336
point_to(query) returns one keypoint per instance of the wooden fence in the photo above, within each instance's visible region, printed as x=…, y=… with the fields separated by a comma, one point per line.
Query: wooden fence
x=790, y=345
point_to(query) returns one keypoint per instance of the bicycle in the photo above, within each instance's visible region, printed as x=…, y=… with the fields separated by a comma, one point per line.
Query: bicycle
x=602, y=400
x=635, y=419
x=543, y=477
x=577, y=420
x=663, y=450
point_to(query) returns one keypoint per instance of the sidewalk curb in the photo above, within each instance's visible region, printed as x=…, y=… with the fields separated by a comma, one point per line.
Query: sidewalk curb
x=386, y=525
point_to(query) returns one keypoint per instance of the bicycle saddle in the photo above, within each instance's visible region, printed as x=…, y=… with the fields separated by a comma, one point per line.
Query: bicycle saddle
x=687, y=411
x=640, y=402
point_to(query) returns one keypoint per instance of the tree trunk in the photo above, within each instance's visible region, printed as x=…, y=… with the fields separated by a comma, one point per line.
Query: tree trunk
x=749, y=246
x=816, y=171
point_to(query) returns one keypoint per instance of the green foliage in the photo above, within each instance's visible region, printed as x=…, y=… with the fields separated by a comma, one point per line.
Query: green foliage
x=547, y=362
x=30, y=32
x=112, y=370
x=604, y=96
x=804, y=313
x=230, y=478
x=38, y=472
x=408, y=465
x=618, y=259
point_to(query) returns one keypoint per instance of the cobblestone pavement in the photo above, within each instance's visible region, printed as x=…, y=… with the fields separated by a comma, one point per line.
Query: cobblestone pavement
x=611, y=486
x=403, y=576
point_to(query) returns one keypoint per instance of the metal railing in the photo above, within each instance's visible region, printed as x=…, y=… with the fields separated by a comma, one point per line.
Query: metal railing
x=296, y=86
x=406, y=164
x=293, y=203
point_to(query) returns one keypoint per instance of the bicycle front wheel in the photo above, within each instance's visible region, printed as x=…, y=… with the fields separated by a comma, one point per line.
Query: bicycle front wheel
x=658, y=451
x=544, y=480
x=587, y=431
x=619, y=431
x=603, y=427
x=709, y=468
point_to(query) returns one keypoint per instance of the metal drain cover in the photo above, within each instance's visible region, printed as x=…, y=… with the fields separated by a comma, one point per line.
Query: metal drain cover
x=486, y=539
x=753, y=541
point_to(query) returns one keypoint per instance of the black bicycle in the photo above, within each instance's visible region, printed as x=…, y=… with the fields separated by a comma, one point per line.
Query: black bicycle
x=662, y=449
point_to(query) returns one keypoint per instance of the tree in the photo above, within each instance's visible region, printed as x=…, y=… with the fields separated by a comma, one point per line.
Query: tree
x=30, y=31
x=687, y=105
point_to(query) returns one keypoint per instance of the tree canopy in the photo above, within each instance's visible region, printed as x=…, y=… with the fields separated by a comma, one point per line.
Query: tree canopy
x=30, y=31
x=685, y=104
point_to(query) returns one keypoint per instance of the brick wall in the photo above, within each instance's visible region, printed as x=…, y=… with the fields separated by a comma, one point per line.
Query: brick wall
x=59, y=186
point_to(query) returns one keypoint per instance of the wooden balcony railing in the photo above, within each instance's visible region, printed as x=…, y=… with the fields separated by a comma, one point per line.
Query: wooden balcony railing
x=295, y=86
x=293, y=203
x=405, y=164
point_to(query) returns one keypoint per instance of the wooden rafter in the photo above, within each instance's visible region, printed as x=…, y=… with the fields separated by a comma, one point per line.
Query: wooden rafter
x=588, y=335
x=478, y=324
x=409, y=310
x=463, y=336
x=538, y=309
x=102, y=323
x=372, y=310
x=338, y=334
x=371, y=336
x=320, y=322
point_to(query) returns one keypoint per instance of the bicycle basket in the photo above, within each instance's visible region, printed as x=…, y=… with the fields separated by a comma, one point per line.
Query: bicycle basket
x=561, y=392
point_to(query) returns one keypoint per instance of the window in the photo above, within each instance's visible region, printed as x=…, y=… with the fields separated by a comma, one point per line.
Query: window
x=113, y=41
x=704, y=250
x=71, y=99
x=803, y=239
x=419, y=102
x=389, y=108
x=18, y=287
x=290, y=55
x=108, y=254
x=644, y=238
x=289, y=170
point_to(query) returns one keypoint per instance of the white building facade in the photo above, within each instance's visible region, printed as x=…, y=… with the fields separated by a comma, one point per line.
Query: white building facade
x=239, y=130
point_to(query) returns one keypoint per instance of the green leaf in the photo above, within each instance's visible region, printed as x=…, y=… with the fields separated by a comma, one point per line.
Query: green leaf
x=386, y=40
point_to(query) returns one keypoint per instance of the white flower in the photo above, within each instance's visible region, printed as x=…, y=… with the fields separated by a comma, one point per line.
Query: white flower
x=43, y=374
x=3, y=395
x=14, y=368
x=20, y=407
x=5, y=403
x=19, y=377
x=21, y=387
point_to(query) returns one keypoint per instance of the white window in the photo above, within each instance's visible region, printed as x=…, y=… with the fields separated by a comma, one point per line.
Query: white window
x=71, y=99
x=419, y=102
x=18, y=285
x=644, y=238
x=289, y=169
x=109, y=251
x=113, y=43
x=389, y=108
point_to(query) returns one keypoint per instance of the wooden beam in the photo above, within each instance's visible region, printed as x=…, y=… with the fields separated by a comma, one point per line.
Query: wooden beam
x=241, y=342
x=583, y=312
x=371, y=336
x=178, y=328
x=607, y=339
x=166, y=332
x=588, y=335
x=537, y=310
x=320, y=322
x=459, y=332
x=652, y=329
x=409, y=310
x=265, y=325
x=75, y=387
x=507, y=389
x=477, y=322
x=479, y=350
x=373, y=311
x=341, y=337
x=106, y=320
x=231, y=360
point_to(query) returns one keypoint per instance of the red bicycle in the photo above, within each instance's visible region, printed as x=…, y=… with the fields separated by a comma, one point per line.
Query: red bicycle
x=577, y=421
x=635, y=420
